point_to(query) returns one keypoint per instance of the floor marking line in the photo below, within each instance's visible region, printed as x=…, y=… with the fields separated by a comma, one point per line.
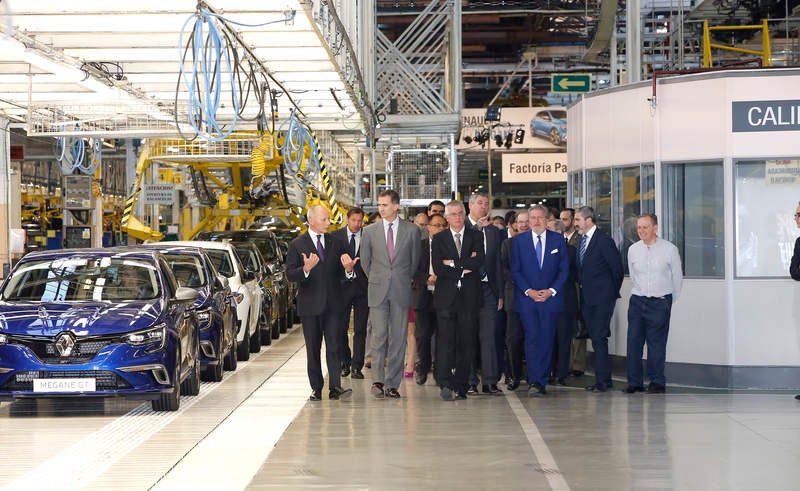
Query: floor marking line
x=540, y=449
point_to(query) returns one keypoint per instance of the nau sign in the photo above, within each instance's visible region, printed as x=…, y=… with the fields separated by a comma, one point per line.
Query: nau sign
x=751, y=116
x=535, y=167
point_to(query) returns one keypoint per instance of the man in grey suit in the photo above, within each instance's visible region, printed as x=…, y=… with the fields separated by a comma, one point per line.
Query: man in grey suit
x=390, y=251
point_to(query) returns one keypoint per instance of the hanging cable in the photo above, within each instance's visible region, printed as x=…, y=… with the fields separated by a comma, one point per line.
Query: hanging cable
x=298, y=138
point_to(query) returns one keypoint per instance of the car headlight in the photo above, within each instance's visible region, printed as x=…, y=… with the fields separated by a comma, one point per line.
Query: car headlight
x=155, y=337
x=204, y=318
x=3, y=338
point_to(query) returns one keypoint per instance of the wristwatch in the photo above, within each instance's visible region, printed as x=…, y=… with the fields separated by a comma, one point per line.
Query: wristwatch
x=452, y=264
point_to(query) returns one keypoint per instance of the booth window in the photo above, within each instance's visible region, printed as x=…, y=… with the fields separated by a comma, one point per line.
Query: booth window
x=575, y=184
x=766, y=199
x=633, y=194
x=693, y=216
x=598, y=196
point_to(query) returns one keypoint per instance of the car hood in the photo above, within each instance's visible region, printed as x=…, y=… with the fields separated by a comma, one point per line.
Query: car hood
x=83, y=319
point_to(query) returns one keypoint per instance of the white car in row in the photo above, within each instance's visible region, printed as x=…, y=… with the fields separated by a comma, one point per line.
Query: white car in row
x=245, y=288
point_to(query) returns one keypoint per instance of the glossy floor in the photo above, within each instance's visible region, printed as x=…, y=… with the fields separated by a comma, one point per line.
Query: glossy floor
x=256, y=430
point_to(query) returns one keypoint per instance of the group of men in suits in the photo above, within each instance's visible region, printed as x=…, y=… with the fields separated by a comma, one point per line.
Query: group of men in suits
x=453, y=279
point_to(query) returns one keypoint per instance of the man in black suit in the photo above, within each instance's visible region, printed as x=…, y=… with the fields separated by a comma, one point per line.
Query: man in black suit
x=319, y=265
x=457, y=257
x=794, y=266
x=424, y=313
x=354, y=298
x=600, y=278
x=491, y=282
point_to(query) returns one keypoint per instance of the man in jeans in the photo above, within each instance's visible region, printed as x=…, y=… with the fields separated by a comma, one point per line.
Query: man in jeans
x=656, y=275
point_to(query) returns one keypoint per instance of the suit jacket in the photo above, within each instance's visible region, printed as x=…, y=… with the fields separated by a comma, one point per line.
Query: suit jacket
x=491, y=264
x=422, y=297
x=387, y=279
x=794, y=267
x=505, y=263
x=573, y=241
x=527, y=273
x=600, y=275
x=357, y=286
x=443, y=247
x=320, y=292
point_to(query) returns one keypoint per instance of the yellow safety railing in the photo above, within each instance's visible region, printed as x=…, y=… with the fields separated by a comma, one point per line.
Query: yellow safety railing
x=766, y=53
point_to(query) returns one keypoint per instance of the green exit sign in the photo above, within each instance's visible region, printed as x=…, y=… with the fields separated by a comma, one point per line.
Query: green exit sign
x=570, y=82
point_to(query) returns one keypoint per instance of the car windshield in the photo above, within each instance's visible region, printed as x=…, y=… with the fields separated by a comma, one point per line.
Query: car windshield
x=248, y=257
x=222, y=261
x=188, y=270
x=559, y=114
x=83, y=279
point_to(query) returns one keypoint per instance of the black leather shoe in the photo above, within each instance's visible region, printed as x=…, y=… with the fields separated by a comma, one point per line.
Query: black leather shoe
x=797, y=397
x=377, y=390
x=447, y=394
x=492, y=390
x=576, y=373
x=536, y=390
x=632, y=389
x=392, y=394
x=338, y=393
x=421, y=378
x=597, y=388
x=473, y=390
x=357, y=374
x=316, y=395
x=655, y=388
x=462, y=395
x=562, y=381
x=346, y=371
x=512, y=385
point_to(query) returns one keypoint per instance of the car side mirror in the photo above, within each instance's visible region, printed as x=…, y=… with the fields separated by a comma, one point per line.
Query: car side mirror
x=222, y=282
x=185, y=295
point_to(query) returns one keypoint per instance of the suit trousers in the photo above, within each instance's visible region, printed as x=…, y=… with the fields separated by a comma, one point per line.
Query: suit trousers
x=455, y=344
x=598, y=323
x=515, y=337
x=315, y=327
x=389, y=332
x=425, y=327
x=565, y=329
x=540, y=330
x=486, y=354
x=648, y=322
x=358, y=305
x=501, y=320
x=577, y=355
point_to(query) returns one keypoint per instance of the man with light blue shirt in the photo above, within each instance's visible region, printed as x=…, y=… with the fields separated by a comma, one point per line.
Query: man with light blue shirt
x=656, y=275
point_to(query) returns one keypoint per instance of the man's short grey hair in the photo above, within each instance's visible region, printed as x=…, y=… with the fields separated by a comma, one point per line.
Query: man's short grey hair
x=540, y=208
x=452, y=206
x=474, y=196
x=587, y=212
x=559, y=226
x=311, y=211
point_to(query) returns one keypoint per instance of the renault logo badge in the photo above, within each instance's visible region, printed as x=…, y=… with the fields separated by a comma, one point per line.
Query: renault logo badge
x=64, y=344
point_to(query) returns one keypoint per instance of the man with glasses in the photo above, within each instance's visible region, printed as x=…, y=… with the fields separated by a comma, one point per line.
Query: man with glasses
x=424, y=312
x=794, y=268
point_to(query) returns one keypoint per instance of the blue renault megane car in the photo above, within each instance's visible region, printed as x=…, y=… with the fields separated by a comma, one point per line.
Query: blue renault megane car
x=98, y=322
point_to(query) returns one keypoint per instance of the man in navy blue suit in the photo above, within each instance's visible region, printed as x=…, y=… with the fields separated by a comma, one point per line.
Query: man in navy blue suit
x=600, y=278
x=539, y=268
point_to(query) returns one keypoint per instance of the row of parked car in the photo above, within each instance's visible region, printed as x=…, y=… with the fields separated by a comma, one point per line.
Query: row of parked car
x=143, y=322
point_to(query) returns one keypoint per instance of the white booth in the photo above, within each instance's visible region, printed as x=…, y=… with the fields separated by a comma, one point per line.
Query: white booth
x=716, y=156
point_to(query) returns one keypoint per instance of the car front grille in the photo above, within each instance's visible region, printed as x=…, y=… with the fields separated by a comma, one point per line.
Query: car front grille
x=104, y=379
x=84, y=350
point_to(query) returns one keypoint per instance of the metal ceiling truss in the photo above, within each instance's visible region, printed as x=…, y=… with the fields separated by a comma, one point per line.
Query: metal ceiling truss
x=412, y=71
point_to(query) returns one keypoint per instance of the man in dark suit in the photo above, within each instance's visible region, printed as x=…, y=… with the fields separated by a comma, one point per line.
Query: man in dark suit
x=577, y=354
x=354, y=298
x=539, y=267
x=424, y=312
x=600, y=278
x=565, y=326
x=457, y=257
x=491, y=278
x=319, y=265
x=390, y=252
x=794, y=266
x=515, y=336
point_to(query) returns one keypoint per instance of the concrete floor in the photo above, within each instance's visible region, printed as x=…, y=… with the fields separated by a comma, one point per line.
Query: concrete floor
x=256, y=430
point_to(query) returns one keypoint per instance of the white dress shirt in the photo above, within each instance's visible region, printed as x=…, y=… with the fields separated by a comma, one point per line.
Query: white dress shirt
x=655, y=269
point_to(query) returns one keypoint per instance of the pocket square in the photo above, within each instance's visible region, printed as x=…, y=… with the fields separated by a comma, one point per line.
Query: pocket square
x=554, y=251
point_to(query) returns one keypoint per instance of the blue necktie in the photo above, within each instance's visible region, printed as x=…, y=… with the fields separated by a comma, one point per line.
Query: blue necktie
x=539, y=250
x=582, y=249
x=320, y=249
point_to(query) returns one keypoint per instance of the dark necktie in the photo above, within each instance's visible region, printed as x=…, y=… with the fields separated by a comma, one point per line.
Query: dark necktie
x=352, y=245
x=390, y=242
x=320, y=249
x=539, y=250
x=582, y=249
